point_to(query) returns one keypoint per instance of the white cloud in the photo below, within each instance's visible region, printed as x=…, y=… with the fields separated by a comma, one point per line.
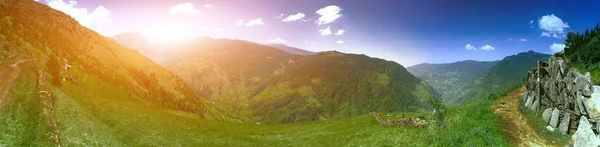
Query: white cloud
x=531, y=22
x=279, y=16
x=470, y=47
x=340, y=32
x=487, y=48
x=295, y=17
x=254, y=22
x=100, y=16
x=217, y=30
x=557, y=47
x=326, y=31
x=510, y=39
x=208, y=5
x=185, y=8
x=523, y=40
x=340, y=42
x=552, y=26
x=277, y=41
x=328, y=14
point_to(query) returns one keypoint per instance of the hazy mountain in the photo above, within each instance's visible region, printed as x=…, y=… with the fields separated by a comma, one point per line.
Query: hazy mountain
x=508, y=72
x=274, y=86
x=291, y=50
x=450, y=79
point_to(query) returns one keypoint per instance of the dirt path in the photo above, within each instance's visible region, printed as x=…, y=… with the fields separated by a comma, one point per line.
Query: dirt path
x=7, y=80
x=514, y=125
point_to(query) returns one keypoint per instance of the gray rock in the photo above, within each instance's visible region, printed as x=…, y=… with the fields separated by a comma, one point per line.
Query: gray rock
x=598, y=126
x=586, y=106
x=547, y=114
x=588, y=76
x=535, y=105
x=529, y=101
x=584, y=136
x=564, y=123
x=579, y=101
x=550, y=128
x=554, y=118
x=593, y=103
x=525, y=97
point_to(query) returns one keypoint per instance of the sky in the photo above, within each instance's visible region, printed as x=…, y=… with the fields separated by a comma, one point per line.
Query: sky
x=405, y=31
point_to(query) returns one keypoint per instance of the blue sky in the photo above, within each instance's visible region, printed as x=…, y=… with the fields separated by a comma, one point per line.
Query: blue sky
x=406, y=31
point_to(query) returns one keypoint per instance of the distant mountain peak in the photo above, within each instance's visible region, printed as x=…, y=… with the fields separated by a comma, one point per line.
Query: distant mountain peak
x=291, y=50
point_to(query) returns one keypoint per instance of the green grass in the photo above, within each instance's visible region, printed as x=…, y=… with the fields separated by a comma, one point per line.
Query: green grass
x=470, y=125
x=540, y=126
x=94, y=114
x=21, y=120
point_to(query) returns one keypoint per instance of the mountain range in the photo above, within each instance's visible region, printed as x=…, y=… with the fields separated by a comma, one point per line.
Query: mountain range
x=274, y=86
x=465, y=81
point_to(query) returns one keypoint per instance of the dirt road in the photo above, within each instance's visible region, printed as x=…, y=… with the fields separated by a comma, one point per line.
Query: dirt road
x=514, y=125
x=7, y=79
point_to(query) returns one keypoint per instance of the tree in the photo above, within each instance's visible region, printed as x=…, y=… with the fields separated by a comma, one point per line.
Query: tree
x=439, y=111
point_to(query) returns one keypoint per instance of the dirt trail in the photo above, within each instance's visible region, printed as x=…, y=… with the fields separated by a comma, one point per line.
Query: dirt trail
x=7, y=80
x=514, y=125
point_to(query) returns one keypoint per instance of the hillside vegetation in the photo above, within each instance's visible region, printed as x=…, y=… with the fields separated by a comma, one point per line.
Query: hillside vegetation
x=583, y=51
x=273, y=86
x=509, y=72
x=32, y=31
x=450, y=79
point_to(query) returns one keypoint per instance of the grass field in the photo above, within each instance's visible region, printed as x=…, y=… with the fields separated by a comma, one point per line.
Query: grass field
x=94, y=114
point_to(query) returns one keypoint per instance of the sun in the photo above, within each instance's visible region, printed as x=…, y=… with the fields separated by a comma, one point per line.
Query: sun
x=167, y=32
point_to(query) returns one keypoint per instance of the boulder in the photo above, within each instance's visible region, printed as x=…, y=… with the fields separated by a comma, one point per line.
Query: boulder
x=598, y=126
x=554, y=118
x=593, y=103
x=588, y=76
x=564, y=123
x=547, y=114
x=529, y=101
x=553, y=92
x=579, y=100
x=525, y=96
x=584, y=136
x=535, y=105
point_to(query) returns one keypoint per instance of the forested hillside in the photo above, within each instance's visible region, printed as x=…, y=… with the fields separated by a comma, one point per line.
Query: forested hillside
x=273, y=86
x=583, y=51
x=507, y=73
x=450, y=79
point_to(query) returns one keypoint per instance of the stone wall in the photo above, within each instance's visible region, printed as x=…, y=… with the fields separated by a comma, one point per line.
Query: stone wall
x=563, y=97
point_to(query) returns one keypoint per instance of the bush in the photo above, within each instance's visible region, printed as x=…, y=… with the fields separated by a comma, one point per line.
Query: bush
x=54, y=69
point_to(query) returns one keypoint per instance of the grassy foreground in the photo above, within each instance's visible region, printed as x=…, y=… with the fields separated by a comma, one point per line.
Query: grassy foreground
x=94, y=114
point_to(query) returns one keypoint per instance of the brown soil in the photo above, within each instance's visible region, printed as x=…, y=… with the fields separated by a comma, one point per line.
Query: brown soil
x=514, y=125
x=7, y=79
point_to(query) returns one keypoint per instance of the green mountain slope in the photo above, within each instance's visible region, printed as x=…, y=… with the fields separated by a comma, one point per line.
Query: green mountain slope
x=333, y=84
x=505, y=74
x=273, y=86
x=450, y=79
x=33, y=31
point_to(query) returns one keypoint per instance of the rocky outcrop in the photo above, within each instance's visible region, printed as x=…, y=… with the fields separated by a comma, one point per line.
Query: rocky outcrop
x=564, y=98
